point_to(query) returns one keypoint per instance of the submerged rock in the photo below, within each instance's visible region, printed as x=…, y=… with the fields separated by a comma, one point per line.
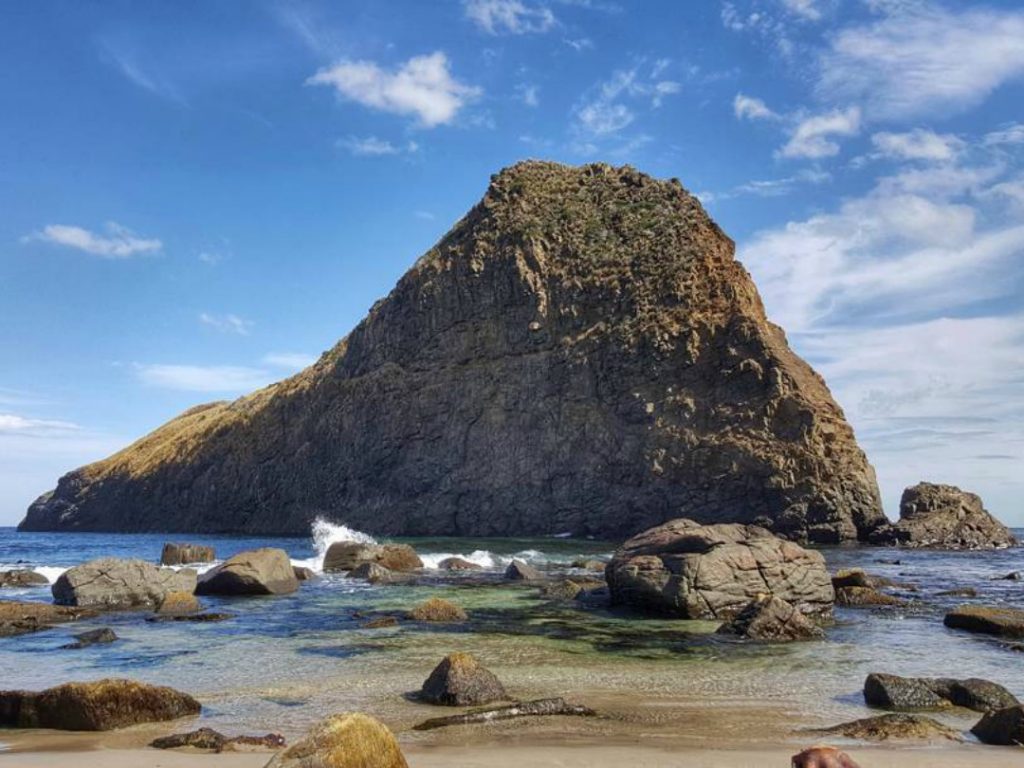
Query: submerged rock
x=381, y=622
x=713, y=571
x=517, y=570
x=1003, y=727
x=99, y=706
x=857, y=597
x=462, y=681
x=92, y=637
x=113, y=583
x=910, y=693
x=458, y=564
x=770, y=619
x=436, y=609
x=302, y=573
x=581, y=353
x=22, y=577
x=349, y=555
x=1004, y=622
x=214, y=741
x=348, y=740
x=535, y=708
x=178, y=604
x=590, y=565
x=823, y=757
x=371, y=572
x=18, y=618
x=266, y=571
x=944, y=517
x=183, y=554
x=894, y=726
x=569, y=589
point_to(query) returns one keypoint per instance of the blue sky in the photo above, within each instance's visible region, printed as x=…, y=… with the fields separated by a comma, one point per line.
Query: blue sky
x=199, y=197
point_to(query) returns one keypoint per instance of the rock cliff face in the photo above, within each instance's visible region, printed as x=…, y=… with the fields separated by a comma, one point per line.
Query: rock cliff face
x=580, y=353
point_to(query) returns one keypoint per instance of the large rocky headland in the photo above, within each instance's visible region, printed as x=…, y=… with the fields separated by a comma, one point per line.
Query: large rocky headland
x=581, y=353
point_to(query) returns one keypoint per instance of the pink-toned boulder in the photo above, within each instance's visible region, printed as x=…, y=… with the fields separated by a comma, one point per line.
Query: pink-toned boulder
x=823, y=757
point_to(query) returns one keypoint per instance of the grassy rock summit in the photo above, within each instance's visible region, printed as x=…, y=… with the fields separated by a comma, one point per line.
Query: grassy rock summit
x=580, y=353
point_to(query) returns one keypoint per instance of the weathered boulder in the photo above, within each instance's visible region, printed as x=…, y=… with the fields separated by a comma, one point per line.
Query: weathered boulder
x=99, y=706
x=18, y=618
x=914, y=693
x=302, y=573
x=1003, y=727
x=1005, y=622
x=348, y=740
x=183, y=554
x=769, y=619
x=569, y=589
x=857, y=597
x=266, y=571
x=589, y=565
x=894, y=726
x=215, y=741
x=857, y=577
x=943, y=517
x=178, y=604
x=22, y=577
x=823, y=757
x=92, y=637
x=458, y=564
x=348, y=555
x=462, y=681
x=699, y=571
x=371, y=572
x=518, y=570
x=581, y=353
x=439, y=610
x=113, y=583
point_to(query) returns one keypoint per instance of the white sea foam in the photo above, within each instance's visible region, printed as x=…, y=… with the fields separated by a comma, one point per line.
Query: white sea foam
x=480, y=557
x=324, y=534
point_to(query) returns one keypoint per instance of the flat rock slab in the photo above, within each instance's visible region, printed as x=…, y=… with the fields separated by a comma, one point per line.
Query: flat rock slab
x=901, y=727
x=1004, y=622
x=18, y=618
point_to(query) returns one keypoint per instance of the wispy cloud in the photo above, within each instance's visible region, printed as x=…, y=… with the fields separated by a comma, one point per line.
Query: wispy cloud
x=203, y=378
x=814, y=137
x=13, y=424
x=509, y=16
x=125, y=60
x=527, y=93
x=422, y=87
x=923, y=59
x=751, y=108
x=371, y=146
x=226, y=323
x=118, y=243
x=609, y=107
x=918, y=144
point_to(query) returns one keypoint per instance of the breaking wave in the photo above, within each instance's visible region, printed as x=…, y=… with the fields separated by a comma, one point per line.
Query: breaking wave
x=325, y=533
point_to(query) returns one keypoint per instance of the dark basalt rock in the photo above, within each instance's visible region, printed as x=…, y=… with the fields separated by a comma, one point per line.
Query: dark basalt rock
x=1003, y=727
x=917, y=693
x=581, y=353
x=92, y=637
x=100, y=706
x=698, y=571
x=183, y=554
x=462, y=681
x=213, y=741
x=769, y=619
x=943, y=517
x=22, y=577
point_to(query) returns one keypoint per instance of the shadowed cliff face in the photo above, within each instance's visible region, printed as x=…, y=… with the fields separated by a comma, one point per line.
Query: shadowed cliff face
x=581, y=353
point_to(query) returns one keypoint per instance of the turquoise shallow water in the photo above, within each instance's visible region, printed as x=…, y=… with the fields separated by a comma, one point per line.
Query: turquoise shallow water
x=284, y=662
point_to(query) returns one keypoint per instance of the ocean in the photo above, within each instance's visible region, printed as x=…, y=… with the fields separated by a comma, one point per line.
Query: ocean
x=281, y=663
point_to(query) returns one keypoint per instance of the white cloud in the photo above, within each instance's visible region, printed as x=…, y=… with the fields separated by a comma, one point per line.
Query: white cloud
x=919, y=144
x=371, y=146
x=806, y=9
x=422, y=87
x=512, y=16
x=921, y=59
x=226, y=323
x=528, y=94
x=119, y=242
x=13, y=424
x=812, y=136
x=200, y=378
x=604, y=110
x=579, y=44
x=1011, y=134
x=751, y=108
x=601, y=118
x=293, y=361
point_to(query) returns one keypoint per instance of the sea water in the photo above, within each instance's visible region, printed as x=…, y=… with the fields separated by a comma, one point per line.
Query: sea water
x=281, y=663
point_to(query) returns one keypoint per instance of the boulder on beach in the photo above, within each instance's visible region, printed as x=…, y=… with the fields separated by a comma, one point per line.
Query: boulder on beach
x=266, y=571
x=1003, y=727
x=694, y=571
x=943, y=517
x=991, y=620
x=823, y=757
x=183, y=554
x=92, y=637
x=458, y=564
x=371, y=572
x=769, y=619
x=462, y=681
x=18, y=618
x=348, y=555
x=98, y=706
x=178, y=604
x=22, y=577
x=114, y=583
x=437, y=610
x=898, y=726
x=859, y=597
x=919, y=693
x=347, y=740
x=518, y=570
